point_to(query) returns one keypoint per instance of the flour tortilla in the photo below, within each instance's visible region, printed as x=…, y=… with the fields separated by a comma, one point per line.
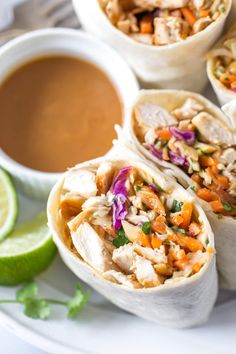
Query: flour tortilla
x=181, y=304
x=180, y=65
x=223, y=94
x=224, y=229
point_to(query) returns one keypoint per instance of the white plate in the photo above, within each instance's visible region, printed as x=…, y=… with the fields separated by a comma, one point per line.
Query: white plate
x=101, y=328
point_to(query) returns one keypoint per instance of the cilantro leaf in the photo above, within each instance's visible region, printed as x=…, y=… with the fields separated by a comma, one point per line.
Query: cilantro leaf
x=121, y=240
x=179, y=229
x=28, y=291
x=36, y=308
x=176, y=206
x=77, y=301
x=146, y=227
x=137, y=188
x=227, y=206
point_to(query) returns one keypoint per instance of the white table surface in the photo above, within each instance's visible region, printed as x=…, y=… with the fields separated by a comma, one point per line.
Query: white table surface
x=10, y=344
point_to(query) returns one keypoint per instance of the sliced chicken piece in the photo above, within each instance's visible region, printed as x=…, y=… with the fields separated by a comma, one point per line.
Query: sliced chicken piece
x=124, y=25
x=212, y=130
x=144, y=38
x=228, y=156
x=163, y=4
x=131, y=231
x=113, y=10
x=124, y=257
x=104, y=176
x=99, y=204
x=150, y=136
x=189, y=109
x=79, y=219
x=70, y=204
x=151, y=115
x=161, y=31
x=186, y=150
x=91, y=247
x=154, y=255
x=81, y=182
x=145, y=273
x=120, y=278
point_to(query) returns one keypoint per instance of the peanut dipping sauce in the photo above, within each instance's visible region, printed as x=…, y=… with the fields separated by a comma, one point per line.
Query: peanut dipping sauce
x=56, y=112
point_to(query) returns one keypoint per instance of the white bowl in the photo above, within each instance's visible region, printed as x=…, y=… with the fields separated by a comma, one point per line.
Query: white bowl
x=179, y=65
x=68, y=42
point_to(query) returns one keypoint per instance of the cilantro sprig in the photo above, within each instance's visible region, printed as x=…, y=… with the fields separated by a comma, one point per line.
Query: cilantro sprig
x=146, y=227
x=228, y=207
x=121, y=240
x=39, y=308
x=179, y=229
x=176, y=206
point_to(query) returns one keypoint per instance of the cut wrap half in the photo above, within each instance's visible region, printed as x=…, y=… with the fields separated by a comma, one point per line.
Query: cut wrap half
x=190, y=137
x=221, y=67
x=160, y=66
x=113, y=221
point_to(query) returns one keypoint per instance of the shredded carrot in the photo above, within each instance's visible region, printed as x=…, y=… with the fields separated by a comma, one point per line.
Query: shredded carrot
x=150, y=199
x=194, y=229
x=181, y=264
x=145, y=240
x=159, y=227
x=146, y=24
x=196, y=178
x=186, y=241
x=207, y=161
x=176, y=219
x=186, y=213
x=223, y=181
x=196, y=267
x=217, y=206
x=227, y=78
x=214, y=169
x=156, y=242
x=188, y=15
x=163, y=134
x=205, y=194
x=203, y=13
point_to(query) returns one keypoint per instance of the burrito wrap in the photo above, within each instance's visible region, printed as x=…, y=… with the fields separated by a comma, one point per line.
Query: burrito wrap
x=180, y=304
x=223, y=228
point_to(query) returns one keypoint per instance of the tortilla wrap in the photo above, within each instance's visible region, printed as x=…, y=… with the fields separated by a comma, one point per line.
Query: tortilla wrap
x=223, y=94
x=169, y=66
x=224, y=228
x=179, y=304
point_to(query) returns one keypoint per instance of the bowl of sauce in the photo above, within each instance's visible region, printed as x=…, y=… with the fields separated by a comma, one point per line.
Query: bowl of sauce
x=61, y=92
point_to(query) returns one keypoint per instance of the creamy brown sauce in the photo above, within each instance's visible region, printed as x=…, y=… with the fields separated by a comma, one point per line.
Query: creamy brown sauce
x=56, y=112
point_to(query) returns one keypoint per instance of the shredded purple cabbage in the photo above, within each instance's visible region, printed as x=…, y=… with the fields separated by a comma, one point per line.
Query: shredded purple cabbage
x=155, y=152
x=119, y=211
x=234, y=89
x=119, y=190
x=177, y=159
x=154, y=188
x=187, y=135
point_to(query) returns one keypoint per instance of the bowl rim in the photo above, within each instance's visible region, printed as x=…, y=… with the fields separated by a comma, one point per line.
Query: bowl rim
x=6, y=161
x=155, y=48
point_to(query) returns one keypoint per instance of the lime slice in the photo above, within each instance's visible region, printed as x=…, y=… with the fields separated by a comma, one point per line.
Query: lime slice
x=26, y=252
x=8, y=205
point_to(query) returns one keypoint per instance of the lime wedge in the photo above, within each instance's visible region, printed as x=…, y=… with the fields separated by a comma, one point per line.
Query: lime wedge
x=26, y=252
x=8, y=205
